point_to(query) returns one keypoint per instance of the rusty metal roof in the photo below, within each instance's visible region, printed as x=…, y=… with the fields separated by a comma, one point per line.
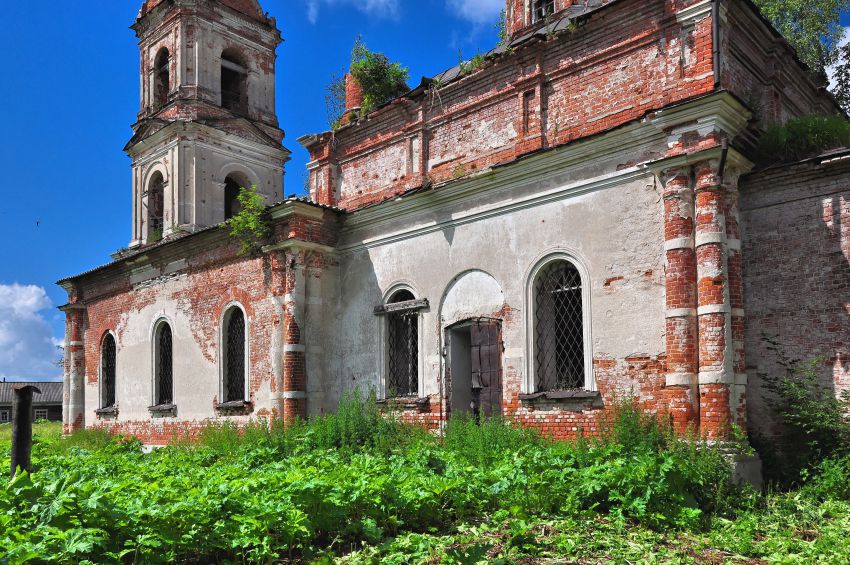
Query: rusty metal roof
x=51, y=392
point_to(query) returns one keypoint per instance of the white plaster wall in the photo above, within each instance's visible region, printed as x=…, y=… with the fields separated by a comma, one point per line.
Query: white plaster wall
x=615, y=232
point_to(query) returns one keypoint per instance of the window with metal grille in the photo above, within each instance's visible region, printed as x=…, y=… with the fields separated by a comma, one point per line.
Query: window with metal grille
x=5, y=415
x=559, y=360
x=162, y=79
x=403, y=348
x=541, y=9
x=164, y=366
x=40, y=414
x=234, y=355
x=156, y=207
x=107, y=371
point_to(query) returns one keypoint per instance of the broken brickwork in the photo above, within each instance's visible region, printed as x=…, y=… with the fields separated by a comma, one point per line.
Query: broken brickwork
x=610, y=135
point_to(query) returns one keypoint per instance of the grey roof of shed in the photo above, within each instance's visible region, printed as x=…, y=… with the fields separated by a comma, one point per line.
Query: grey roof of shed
x=51, y=392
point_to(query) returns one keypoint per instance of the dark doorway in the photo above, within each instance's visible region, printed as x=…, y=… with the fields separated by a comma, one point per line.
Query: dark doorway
x=475, y=368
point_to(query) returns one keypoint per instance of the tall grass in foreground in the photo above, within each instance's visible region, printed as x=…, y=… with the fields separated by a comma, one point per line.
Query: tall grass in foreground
x=356, y=483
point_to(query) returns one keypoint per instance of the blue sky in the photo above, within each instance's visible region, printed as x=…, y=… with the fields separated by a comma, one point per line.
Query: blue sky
x=70, y=90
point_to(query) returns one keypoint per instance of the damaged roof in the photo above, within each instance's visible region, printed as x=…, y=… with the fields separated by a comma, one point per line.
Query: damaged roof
x=51, y=392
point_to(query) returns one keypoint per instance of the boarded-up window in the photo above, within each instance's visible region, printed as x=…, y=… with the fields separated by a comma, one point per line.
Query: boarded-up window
x=559, y=358
x=234, y=355
x=403, y=348
x=164, y=368
x=107, y=371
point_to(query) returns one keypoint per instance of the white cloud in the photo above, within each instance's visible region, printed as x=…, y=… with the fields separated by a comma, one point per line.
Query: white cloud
x=830, y=71
x=387, y=9
x=27, y=345
x=478, y=12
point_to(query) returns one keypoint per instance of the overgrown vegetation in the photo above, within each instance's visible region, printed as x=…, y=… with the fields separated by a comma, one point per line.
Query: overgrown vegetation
x=380, y=79
x=801, y=138
x=250, y=226
x=355, y=487
x=815, y=435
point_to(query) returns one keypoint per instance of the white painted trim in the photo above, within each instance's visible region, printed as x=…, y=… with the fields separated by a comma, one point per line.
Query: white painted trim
x=559, y=254
x=680, y=313
x=713, y=309
x=222, y=348
x=692, y=13
x=680, y=243
x=710, y=238
x=294, y=348
x=715, y=377
x=239, y=168
x=681, y=379
x=294, y=395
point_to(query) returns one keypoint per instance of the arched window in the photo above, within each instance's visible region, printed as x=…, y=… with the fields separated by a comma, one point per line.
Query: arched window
x=231, y=197
x=156, y=207
x=162, y=78
x=559, y=344
x=541, y=9
x=234, y=82
x=107, y=371
x=163, y=365
x=402, y=346
x=234, y=355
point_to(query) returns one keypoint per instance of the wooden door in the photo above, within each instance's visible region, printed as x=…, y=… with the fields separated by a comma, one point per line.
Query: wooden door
x=486, y=338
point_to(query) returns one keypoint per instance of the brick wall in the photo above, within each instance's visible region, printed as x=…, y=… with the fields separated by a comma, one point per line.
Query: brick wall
x=796, y=249
x=624, y=61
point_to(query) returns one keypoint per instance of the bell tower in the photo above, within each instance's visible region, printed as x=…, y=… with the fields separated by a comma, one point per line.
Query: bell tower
x=207, y=125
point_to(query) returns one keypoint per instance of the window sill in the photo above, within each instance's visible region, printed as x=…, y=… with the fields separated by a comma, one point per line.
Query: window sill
x=235, y=408
x=574, y=400
x=163, y=410
x=406, y=402
x=108, y=412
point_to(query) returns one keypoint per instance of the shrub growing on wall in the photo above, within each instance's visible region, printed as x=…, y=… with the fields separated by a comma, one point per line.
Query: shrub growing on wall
x=250, y=226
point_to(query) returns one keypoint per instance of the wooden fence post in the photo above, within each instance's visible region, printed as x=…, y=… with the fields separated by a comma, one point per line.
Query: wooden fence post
x=22, y=427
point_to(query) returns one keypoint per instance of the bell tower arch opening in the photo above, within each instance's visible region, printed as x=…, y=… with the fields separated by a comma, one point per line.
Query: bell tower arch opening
x=162, y=78
x=234, y=82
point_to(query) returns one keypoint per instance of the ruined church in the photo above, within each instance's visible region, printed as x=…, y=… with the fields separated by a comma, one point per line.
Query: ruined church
x=574, y=220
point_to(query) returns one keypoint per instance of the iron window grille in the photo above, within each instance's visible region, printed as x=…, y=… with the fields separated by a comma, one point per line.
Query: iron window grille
x=559, y=353
x=107, y=365
x=164, y=367
x=234, y=371
x=403, y=349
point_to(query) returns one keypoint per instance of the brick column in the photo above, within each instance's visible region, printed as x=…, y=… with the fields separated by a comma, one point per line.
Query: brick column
x=738, y=393
x=716, y=371
x=682, y=392
x=294, y=350
x=74, y=395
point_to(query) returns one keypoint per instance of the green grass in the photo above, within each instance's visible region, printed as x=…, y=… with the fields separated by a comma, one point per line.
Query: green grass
x=41, y=430
x=355, y=487
x=801, y=138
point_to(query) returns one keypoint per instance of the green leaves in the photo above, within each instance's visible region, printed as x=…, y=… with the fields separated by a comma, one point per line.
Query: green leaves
x=250, y=226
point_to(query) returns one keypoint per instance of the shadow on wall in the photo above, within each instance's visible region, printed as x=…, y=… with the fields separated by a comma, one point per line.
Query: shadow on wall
x=797, y=286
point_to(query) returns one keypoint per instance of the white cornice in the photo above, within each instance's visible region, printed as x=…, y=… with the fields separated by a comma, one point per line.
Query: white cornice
x=163, y=135
x=695, y=12
x=289, y=209
x=298, y=245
